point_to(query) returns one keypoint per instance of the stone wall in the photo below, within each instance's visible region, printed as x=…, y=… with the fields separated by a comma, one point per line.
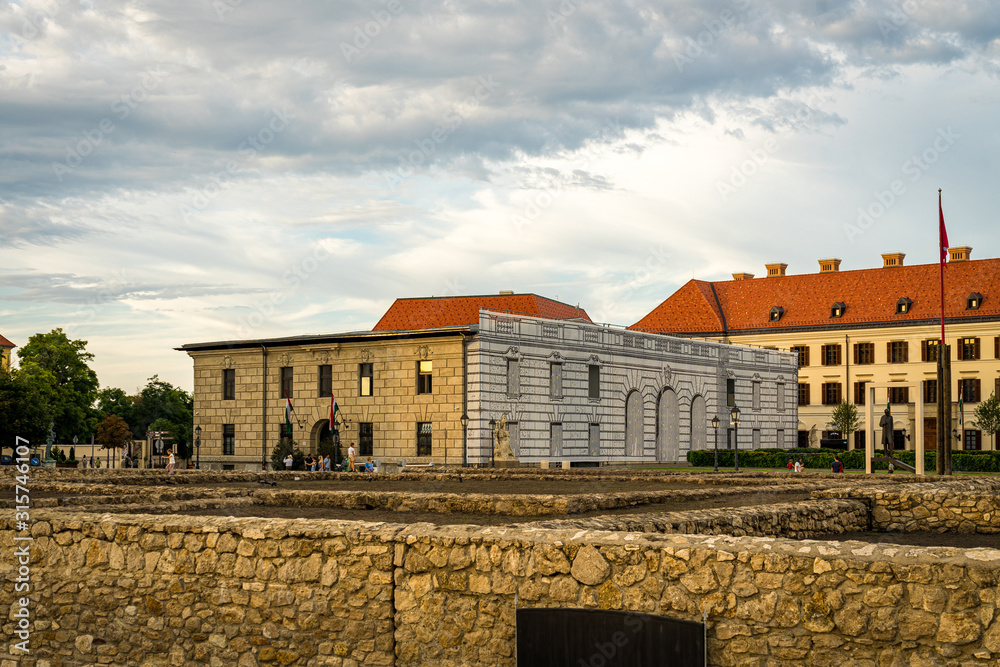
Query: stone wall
x=118, y=589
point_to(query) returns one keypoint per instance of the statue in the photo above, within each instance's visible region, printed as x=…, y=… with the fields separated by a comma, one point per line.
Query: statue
x=49, y=441
x=502, y=434
x=886, y=423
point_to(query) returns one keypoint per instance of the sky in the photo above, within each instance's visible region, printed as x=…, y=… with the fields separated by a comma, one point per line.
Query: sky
x=175, y=171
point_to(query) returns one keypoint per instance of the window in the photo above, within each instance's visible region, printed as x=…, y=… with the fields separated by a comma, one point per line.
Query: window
x=513, y=378
x=286, y=382
x=974, y=301
x=803, y=393
x=899, y=395
x=555, y=439
x=594, y=381
x=837, y=309
x=859, y=392
x=831, y=355
x=555, y=380
x=930, y=391
x=424, y=438
x=776, y=313
x=864, y=353
x=228, y=439
x=803, y=352
x=898, y=351
x=996, y=386
x=996, y=347
x=325, y=381
x=730, y=392
x=365, y=376
x=229, y=384
x=929, y=350
x=969, y=389
x=859, y=439
x=594, y=441
x=755, y=395
x=968, y=349
x=366, y=439
x=781, y=396
x=831, y=393
x=973, y=439
x=802, y=439
x=903, y=306
x=424, y=376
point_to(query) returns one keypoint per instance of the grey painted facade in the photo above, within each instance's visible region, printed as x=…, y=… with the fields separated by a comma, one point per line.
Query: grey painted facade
x=656, y=395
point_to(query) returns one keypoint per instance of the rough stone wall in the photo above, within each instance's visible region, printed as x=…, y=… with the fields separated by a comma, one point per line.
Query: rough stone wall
x=204, y=591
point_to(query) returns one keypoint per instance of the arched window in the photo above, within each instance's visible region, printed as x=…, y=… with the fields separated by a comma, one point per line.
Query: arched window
x=633, y=424
x=699, y=427
x=667, y=426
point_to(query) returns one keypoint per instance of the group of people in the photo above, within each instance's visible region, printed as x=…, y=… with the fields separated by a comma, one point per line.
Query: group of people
x=325, y=463
x=798, y=466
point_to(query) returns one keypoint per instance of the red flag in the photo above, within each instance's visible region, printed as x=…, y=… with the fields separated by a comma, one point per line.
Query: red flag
x=942, y=233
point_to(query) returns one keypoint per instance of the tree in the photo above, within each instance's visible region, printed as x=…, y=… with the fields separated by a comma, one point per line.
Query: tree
x=114, y=401
x=987, y=416
x=285, y=447
x=845, y=419
x=161, y=400
x=113, y=432
x=62, y=366
x=24, y=408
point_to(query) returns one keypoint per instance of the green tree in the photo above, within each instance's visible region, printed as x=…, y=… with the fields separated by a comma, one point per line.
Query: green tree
x=114, y=401
x=62, y=366
x=987, y=416
x=161, y=400
x=24, y=408
x=845, y=419
x=284, y=447
x=113, y=432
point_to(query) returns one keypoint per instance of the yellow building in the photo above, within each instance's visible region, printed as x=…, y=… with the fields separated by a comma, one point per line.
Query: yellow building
x=6, y=347
x=851, y=329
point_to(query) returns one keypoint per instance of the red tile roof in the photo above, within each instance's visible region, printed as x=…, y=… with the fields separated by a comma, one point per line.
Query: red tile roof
x=6, y=343
x=870, y=297
x=447, y=311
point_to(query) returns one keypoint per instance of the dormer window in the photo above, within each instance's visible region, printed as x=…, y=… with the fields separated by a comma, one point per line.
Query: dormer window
x=974, y=301
x=837, y=309
x=776, y=313
x=903, y=306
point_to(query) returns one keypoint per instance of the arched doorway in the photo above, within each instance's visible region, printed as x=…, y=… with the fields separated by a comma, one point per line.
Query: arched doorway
x=633, y=424
x=699, y=425
x=667, y=426
x=323, y=441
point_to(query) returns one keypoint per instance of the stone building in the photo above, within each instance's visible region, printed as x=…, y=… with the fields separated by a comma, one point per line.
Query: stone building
x=856, y=329
x=566, y=389
x=5, y=351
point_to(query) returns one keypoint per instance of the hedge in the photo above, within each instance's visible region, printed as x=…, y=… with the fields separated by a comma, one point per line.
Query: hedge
x=822, y=459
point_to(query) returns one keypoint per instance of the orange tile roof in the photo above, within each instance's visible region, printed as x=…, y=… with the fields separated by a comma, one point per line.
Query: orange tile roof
x=446, y=311
x=870, y=297
x=6, y=343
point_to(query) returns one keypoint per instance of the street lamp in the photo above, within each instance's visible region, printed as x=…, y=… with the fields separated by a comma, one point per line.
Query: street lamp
x=493, y=425
x=735, y=414
x=465, y=435
x=197, y=447
x=715, y=425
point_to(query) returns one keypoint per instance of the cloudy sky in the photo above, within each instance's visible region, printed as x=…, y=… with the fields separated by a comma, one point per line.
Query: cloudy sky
x=175, y=171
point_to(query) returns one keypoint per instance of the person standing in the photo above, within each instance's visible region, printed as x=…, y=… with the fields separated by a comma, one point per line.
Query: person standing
x=288, y=461
x=351, y=455
x=170, y=462
x=837, y=465
x=84, y=461
x=326, y=463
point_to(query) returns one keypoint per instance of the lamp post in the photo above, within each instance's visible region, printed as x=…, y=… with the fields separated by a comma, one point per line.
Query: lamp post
x=715, y=425
x=465, y=434
x=493, y=437
x=197, y=447
x=735, y=414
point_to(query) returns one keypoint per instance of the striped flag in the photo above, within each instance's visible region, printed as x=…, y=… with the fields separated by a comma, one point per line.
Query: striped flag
x=288, y=413
x=334, y=409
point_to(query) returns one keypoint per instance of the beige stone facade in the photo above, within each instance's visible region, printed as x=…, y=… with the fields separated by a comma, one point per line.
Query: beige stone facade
x=394, y=408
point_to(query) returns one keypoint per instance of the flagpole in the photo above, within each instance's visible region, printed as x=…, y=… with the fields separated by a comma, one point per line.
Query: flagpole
x=942, y=243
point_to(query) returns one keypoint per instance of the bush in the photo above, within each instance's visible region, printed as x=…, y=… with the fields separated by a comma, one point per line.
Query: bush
x=854, y=459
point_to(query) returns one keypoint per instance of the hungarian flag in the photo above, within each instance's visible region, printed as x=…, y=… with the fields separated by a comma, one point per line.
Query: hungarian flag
x=942, y=233
x=334, y=409
x=288, y=413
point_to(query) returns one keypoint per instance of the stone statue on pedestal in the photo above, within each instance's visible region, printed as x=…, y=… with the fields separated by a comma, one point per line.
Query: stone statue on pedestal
x=886, y=423
x=502, y=434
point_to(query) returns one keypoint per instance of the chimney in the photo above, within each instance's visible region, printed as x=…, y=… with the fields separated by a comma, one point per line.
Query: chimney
x=962, y=253
x=506, y=292
x=742, y=276
x=892, y=259
x=775, y=270
x=831, y=265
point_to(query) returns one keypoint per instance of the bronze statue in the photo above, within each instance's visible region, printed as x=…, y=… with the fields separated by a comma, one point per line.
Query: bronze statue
x=886, y=424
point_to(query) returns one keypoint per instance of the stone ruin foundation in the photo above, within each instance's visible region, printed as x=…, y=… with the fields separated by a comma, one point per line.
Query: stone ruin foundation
x=114, y=580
